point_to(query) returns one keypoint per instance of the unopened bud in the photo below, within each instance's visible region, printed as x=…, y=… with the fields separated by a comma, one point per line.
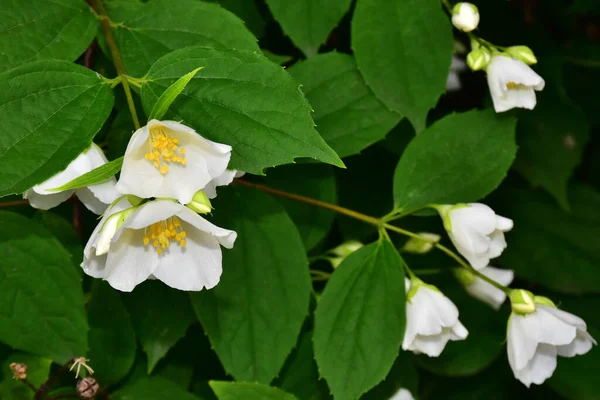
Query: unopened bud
x=465, y=16
x=200, y=203
x=522, y=301
x=342, y=251
x=134, y=200
x=19, y=370
x=544, y=301
x=421, y=245
x=108, y=230
x=465, y=277
x=478, y=59
x=523, y=53
x=87, y=388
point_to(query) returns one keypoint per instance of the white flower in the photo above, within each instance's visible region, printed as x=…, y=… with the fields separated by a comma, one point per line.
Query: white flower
x=486, y=292
x=169, y=159
x=161, y=239
x=453, y=80
x=96, y=197
x=402, y=394
x=476, y=231
x=512, y=83
x=465, y=16
x=222, y=180
x=536, y=338
x=431, y=320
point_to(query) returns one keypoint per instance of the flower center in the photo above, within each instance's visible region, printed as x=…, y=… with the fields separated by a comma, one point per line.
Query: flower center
x=163, y=150
x=162, y=233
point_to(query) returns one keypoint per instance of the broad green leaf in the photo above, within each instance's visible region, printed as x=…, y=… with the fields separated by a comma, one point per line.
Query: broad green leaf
x=111, y=338
x=41, y=301
x=242, y=99
x=168, y=97
x=147, y=31
x=160, y=316
x=552, y=247
x=43, y=30
x=277, y=58
x=551, y=141
x=254, y=315
x=403, y=49
x=63, y=230
x=347, y=113
x=402, y=375
x=486, y=340
x=248, y=12
x=118, y=135
x=308, y=22
x=248, y=391
x=38, y=370
x=153, y=388
x=455, y=160
x=360, y=320
x=315, y=181
x=50, y=112
x=97, y=175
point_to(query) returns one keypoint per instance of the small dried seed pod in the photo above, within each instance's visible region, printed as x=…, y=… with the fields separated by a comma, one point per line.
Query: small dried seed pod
x=19, y=370
x=87, y=388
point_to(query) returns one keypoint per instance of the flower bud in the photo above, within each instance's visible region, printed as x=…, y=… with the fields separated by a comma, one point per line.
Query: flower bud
x=109, y=229
x=465, y=277
x=465, y=16
x=134, y=200
x=478, y=59
x=87, y=388
x=523, y=53
x=421, y=246
x=200, y=203
x=522, y=301
x=342, y=251
x=544, y=301
x=19, y=370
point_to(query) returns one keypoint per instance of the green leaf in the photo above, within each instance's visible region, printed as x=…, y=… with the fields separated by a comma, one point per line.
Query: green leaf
x=244, y=100
x=168, y=97
x=486, y=340
x=402, y=375
x=254, y=315
x=62, y=230
x=38, y=370
x=347, y=113
x=455, y=160
x=160, y=316
x=248, y=391
x=147, y=31
x=41, y=302
x=153, y=388
x=248, y=12
x=43, y=30
x=51, y=111
x=403, y=49
x=552, y=247
x=551, y=141
x=97, y=175
x=308, y=22
x=111, y=338
x=360, y=320
x=315, y=181
x=277, y=58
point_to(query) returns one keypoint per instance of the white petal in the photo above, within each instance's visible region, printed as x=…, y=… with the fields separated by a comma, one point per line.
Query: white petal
x=402, y=394
x=75, y=169
x=541, y=367
x=477, y=261
x=520, y=346
x=46, y=201
x=459, y=332
x=582, y=343
x=552, y=330
x=222, y=180
x=506, y=69
x=431, y=345
x=224, y=236
x=504, y=224
x=196, y=266
x=497, y=244
x=453, y=82
x=129, y=262
x=567, y=317
x=520, y=97
x=90, y=201
x=500, y=275
x=150, y=213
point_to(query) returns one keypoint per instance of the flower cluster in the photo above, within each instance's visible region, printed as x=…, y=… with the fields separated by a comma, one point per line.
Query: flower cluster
x=151, y=227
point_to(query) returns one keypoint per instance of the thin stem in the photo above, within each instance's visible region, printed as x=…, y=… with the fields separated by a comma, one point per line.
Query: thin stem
x=319, y=275
x=14, y=203
x=42, y=390
x=117, y=60
x=29, y=384
x=428, y=271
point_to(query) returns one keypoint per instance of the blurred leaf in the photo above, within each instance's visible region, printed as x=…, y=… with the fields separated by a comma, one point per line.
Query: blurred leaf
x=160, y=316
x=551, y=141
x=42, y=133
x=64, y=232
x=552, y=247
x=269, y=124
x=403, y=49
x=308, y=22
x=582, y=85
x=360, y=320
x=248, y=391
x=347, y=113
x=248, y=12
x=455, y=161
x=402, y=375
x=111, y=338
x=38, y=370
x=311, y=180
x=277, y=58
x=41, y=302
x=153, y=388
x=148, y=31
x=43, y=30
x=254, y=315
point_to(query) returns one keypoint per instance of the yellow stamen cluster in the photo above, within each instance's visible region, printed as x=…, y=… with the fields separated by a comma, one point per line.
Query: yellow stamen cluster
x=164, y=150
x=162, y=233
